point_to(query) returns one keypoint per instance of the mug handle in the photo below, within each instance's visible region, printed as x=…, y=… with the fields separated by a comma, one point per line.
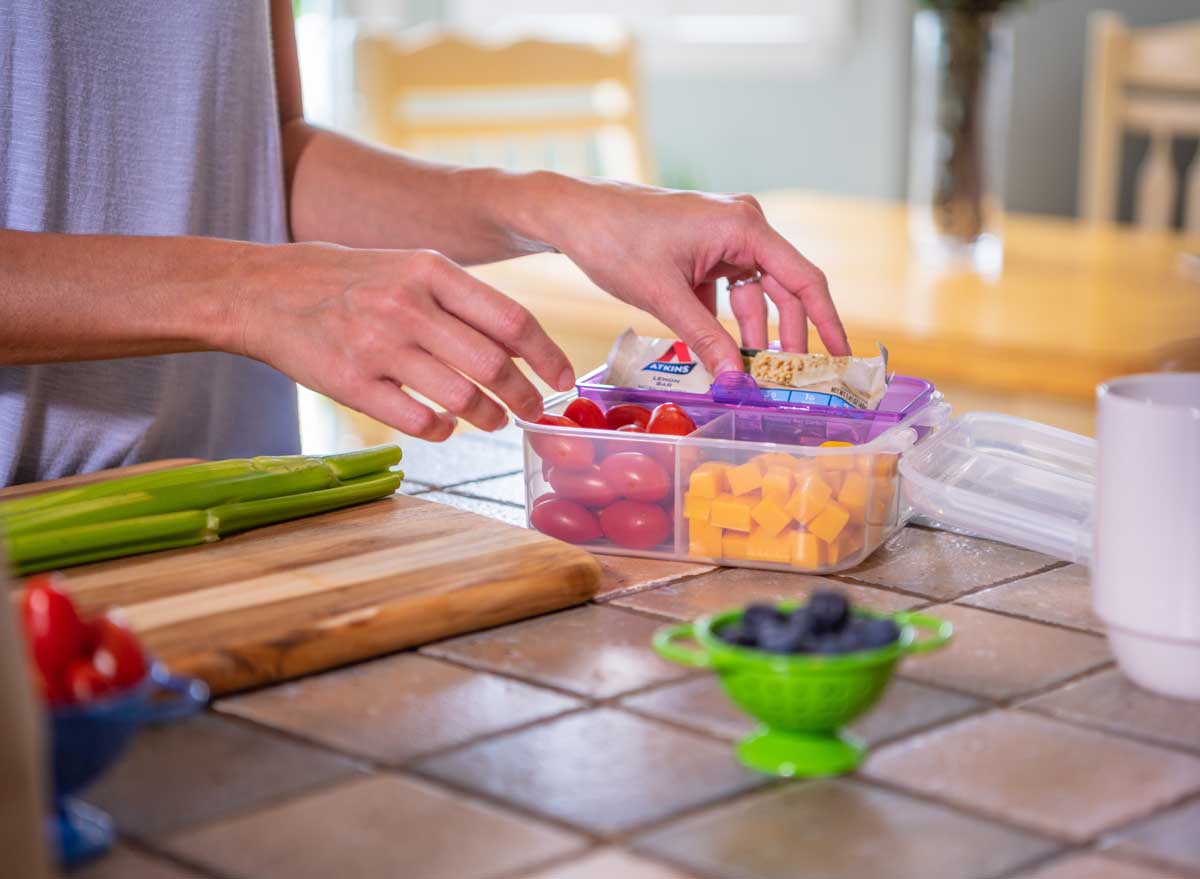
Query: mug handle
x=943, y=631
x=173, y=697
x=665, y=644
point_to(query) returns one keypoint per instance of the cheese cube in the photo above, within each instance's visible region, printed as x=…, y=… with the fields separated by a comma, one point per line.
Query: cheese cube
x=849, y=543
x=853, y=494
x=729, y=511
x=837, y=462
x=763, y=546
x=835, y=478
x=777, y=484
x=704, y=540
x=811, y=495
x=708, y=480
x=770, y=516
x=733, y=546
x=807, y=550
x=829, y=522
x=744, y=478
x=696, y=506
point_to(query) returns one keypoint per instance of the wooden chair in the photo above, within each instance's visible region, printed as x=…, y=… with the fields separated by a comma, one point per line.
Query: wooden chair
x=1145, y=81
x=515, y=105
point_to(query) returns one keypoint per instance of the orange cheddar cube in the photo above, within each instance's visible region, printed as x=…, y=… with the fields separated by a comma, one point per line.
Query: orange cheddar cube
x=770, y=516
x=853, y=494
x=807, y=550
x=835, y=478
x=777, y=484
x=810, y=496
x=849, y=543
x=734, y=546
x=730, y=511
x=763, y=546
x=696, y=506
x=744, y=478
x=829, y=522
x=708, y=480
x=704, y=540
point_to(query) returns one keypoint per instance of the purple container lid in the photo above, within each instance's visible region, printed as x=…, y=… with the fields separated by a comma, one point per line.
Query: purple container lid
x=736, y=390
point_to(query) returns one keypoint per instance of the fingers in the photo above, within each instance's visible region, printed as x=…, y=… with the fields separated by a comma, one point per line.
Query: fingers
x=802, y=279
x=707, y=294
x=479, y=358
x=451, y=391
x=793, y=319
x=508, y=324
x=700, y=330
x=384, y=401
x=750, y=309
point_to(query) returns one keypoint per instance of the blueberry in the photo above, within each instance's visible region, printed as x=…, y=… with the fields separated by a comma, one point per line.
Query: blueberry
x=737, y=634
x=827, y=612
x=873, y=633
x=783, y=635
x=756, y=614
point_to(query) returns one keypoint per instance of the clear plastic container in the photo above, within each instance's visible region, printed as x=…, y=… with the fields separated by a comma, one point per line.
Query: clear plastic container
x=752, y=487
x=1007, y=479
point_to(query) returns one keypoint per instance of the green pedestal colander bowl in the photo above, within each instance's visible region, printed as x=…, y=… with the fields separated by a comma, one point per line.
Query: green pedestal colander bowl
x=801, y=701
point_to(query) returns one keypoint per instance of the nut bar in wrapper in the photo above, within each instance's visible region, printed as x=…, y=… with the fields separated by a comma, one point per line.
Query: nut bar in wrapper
x=819, y=379
x=655, y=365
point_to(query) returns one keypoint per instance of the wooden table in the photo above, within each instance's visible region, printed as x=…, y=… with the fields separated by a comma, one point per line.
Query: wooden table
x=1073, y=306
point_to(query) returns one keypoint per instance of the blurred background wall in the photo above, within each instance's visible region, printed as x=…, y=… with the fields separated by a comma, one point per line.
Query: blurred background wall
x=840, y=124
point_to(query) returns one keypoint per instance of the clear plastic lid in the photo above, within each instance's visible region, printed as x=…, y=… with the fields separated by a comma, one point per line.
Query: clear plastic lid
x=1007, y=479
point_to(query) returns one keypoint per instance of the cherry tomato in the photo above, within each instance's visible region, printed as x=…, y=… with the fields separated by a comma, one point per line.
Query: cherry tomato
x=56, y=634
x=118, y=657
x=85, y=682
x=562, y=452
x=586, y=413
x=636, y=476
x=669, y=418
x=632, y=428
x=635, y=525
x=589, y=486
x=626, y=413
x=565, y=519
x=53, y=690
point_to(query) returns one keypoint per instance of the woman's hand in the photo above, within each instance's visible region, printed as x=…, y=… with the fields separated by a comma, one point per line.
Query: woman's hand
x=663, y=250
x=362, y=325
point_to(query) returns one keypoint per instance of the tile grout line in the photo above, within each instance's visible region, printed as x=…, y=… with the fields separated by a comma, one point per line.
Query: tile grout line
x=1173, y=868
x=1025, y=618
x=1003, y=581
x=1096, y=726
x=146, y=847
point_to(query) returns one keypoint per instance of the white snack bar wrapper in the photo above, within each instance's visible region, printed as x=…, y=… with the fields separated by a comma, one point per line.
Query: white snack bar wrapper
x=655, y=365
x=812, y=379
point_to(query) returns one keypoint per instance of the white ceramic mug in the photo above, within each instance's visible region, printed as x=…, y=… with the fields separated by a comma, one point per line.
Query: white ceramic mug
x=1146, y=556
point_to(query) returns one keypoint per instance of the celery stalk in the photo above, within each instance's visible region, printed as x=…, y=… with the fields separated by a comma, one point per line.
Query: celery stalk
x=350, y=465
x=231, y=518
x=153, y=501
x=50, y=546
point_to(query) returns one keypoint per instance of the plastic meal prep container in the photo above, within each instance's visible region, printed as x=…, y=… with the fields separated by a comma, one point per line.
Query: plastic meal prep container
x=751, y=487
x=803, y=488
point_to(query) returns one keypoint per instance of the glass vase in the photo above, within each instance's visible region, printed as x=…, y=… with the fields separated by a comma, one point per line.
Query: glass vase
x=961, y=88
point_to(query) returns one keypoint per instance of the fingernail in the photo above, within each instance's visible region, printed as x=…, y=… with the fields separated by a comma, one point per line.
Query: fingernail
x=566, y=381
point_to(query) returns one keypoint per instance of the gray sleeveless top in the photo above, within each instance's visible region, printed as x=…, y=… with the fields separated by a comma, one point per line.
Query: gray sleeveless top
x=140, y=117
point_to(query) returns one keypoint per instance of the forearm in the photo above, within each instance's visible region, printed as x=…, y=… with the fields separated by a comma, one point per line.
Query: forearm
x=358, y=195
x=89, y=297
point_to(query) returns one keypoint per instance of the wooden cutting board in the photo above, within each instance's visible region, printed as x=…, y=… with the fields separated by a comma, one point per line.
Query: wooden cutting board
x=314, y=593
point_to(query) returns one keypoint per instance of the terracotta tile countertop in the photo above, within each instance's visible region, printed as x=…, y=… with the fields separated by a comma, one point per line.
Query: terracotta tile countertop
x=563, y=748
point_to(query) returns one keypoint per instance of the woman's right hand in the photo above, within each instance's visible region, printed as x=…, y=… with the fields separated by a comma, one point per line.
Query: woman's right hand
x=360, y=326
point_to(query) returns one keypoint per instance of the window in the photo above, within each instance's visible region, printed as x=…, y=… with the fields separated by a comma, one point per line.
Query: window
x=731, y=36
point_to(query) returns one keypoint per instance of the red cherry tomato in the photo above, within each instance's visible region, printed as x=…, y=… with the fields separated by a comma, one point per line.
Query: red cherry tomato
x=562, y=452
x=586, y=413
x=118, y=657
x=636, y=476
x=589, y=486
x=626, y=413
x=669, y=418
x=85, y=682
x=565, y=519
x=635, y=525
x=632, y=428
x=53, y=690
x=55, y=633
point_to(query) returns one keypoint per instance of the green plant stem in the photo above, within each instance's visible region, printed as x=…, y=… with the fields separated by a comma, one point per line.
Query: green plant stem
x=231, y=518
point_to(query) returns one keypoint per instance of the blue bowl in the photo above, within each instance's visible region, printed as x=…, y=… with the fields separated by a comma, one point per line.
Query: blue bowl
x=87, y=739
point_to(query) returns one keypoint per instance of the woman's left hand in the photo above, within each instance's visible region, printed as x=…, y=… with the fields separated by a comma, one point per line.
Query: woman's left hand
x=663, y=250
